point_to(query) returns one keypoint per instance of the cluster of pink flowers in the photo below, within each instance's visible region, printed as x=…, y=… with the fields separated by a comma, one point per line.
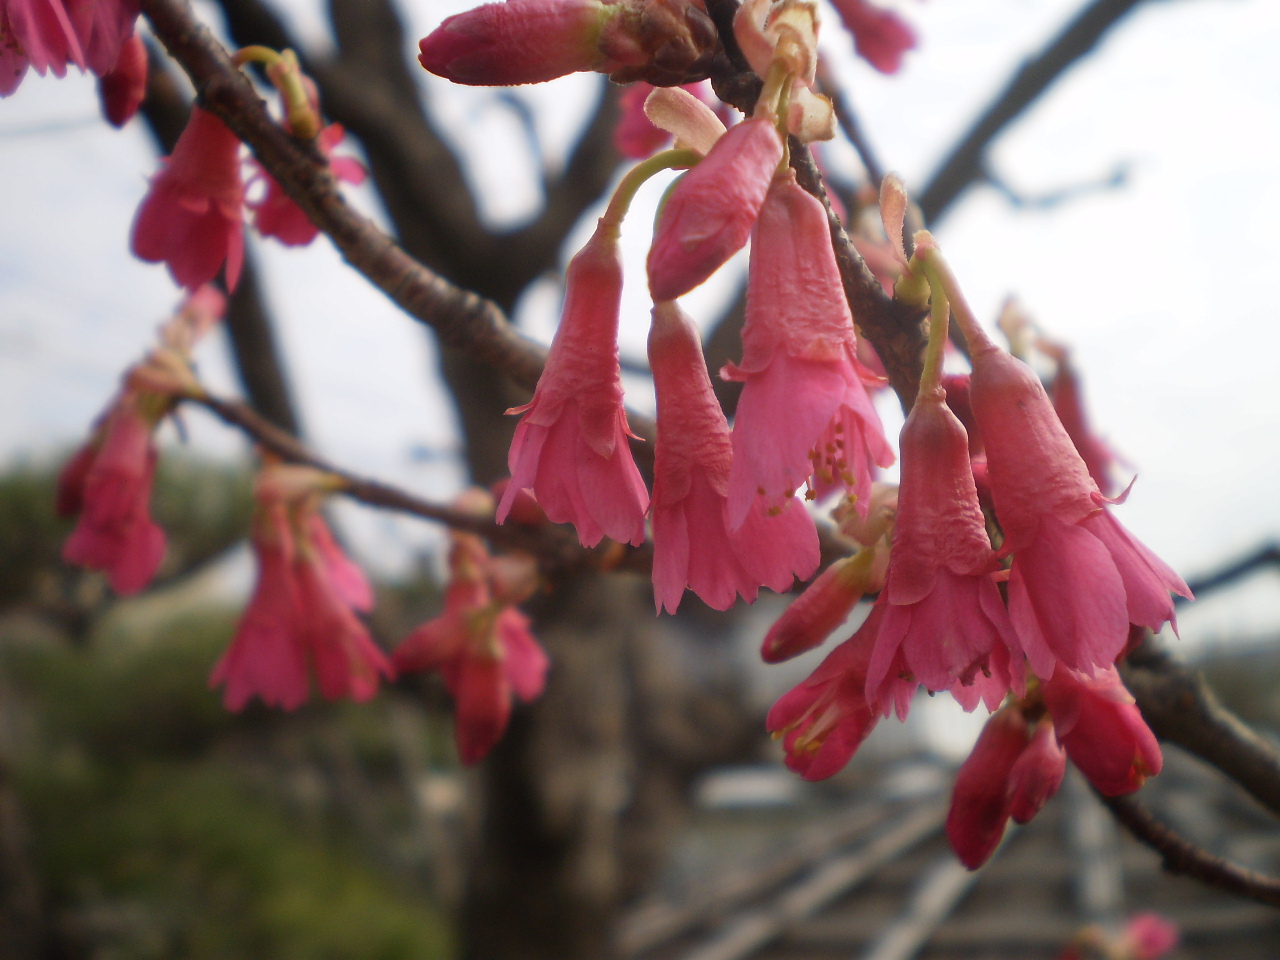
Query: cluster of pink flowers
x=481, y=644
x=1078, y=587
x=106, y=484
x=192, y=218
x=724, y=514
x=303, y=618
x=302, y=615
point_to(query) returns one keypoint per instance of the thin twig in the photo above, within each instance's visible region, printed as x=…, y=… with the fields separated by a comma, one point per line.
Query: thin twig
x=1184, y=857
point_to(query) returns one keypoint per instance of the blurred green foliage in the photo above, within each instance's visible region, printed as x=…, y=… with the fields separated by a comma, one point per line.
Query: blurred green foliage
x=161, y=826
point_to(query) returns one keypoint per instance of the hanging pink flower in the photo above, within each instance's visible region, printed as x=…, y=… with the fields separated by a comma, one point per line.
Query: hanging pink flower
x=302, y=612
x=571, y=446
x=1102, y=730
x=944, y=620
x=276, y=215
x=108, y=485
x=50, y=35
x=1078, y=577
x=481, y=644
x=693, y=543
x=824, y=719
x=981, y=800
x=191, y=217
x=804, y=409
x=880, y=36
x=710, y=212
x=346, y=661
x=1069, y=405
x=268, y=655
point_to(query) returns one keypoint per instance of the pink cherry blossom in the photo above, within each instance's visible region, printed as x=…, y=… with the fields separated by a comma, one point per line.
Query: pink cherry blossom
x=1148, y=936
x=191, y=217
x=346, y=661
x=944, y=621
x=482, y=646
x=709, y=215
x=693, y=544
x=276, y=215
x=880, y=36
x=804, y=409
x=108, y=484
x=50, y=35
x=1078, y=577
x=824, y=719
x=1100, y=727
x=571, y=446
x=981, y=800
x=268, y=655
x=1069, y=405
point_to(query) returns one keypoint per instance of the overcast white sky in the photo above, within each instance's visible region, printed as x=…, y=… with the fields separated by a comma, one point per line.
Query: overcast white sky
x=1163, y=287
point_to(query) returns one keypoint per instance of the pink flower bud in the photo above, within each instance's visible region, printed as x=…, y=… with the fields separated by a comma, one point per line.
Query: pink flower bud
x=709, y=215
x=824, y=605
x=124, y=87
x=529, y=41
x=1099, y=724
x=981, y=801
x=1037, y=774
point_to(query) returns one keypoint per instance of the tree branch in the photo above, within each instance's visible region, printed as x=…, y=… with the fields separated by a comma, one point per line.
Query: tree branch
x=964, y=165
x=1180, y=708
x=1183, y=857
x=460, y=318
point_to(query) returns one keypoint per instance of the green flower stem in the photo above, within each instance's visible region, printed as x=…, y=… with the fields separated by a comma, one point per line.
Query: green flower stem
x=641, y=172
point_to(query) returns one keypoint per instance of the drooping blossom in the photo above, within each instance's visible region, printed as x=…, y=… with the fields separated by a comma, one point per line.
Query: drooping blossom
x=301, y=617
x=268, y=656
x=1078, y=578
x=944, y=620
x=190, y=219
x=506, y=44
x=804, y=410
x=1015, y=767
x=122, y=89
x=571, y=446
x=825, y=718
x=880, y=36
x=981, y=800
x=107, y=485
x=276, y=215
x=50, y=35
x=694, y=544
x=709, y=215
x=480, y=643
x=1102, y=730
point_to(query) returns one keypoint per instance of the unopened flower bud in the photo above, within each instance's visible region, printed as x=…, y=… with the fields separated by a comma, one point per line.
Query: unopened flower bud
x=504, y=44
x=1037, y=774
x=124, y=87
x=824, y=606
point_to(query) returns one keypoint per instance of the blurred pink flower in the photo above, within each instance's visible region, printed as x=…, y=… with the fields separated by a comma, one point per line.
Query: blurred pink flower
x=190, y=218
x=880, y=36
x=108, y=485
x=276, y=215
x=1100, y=727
